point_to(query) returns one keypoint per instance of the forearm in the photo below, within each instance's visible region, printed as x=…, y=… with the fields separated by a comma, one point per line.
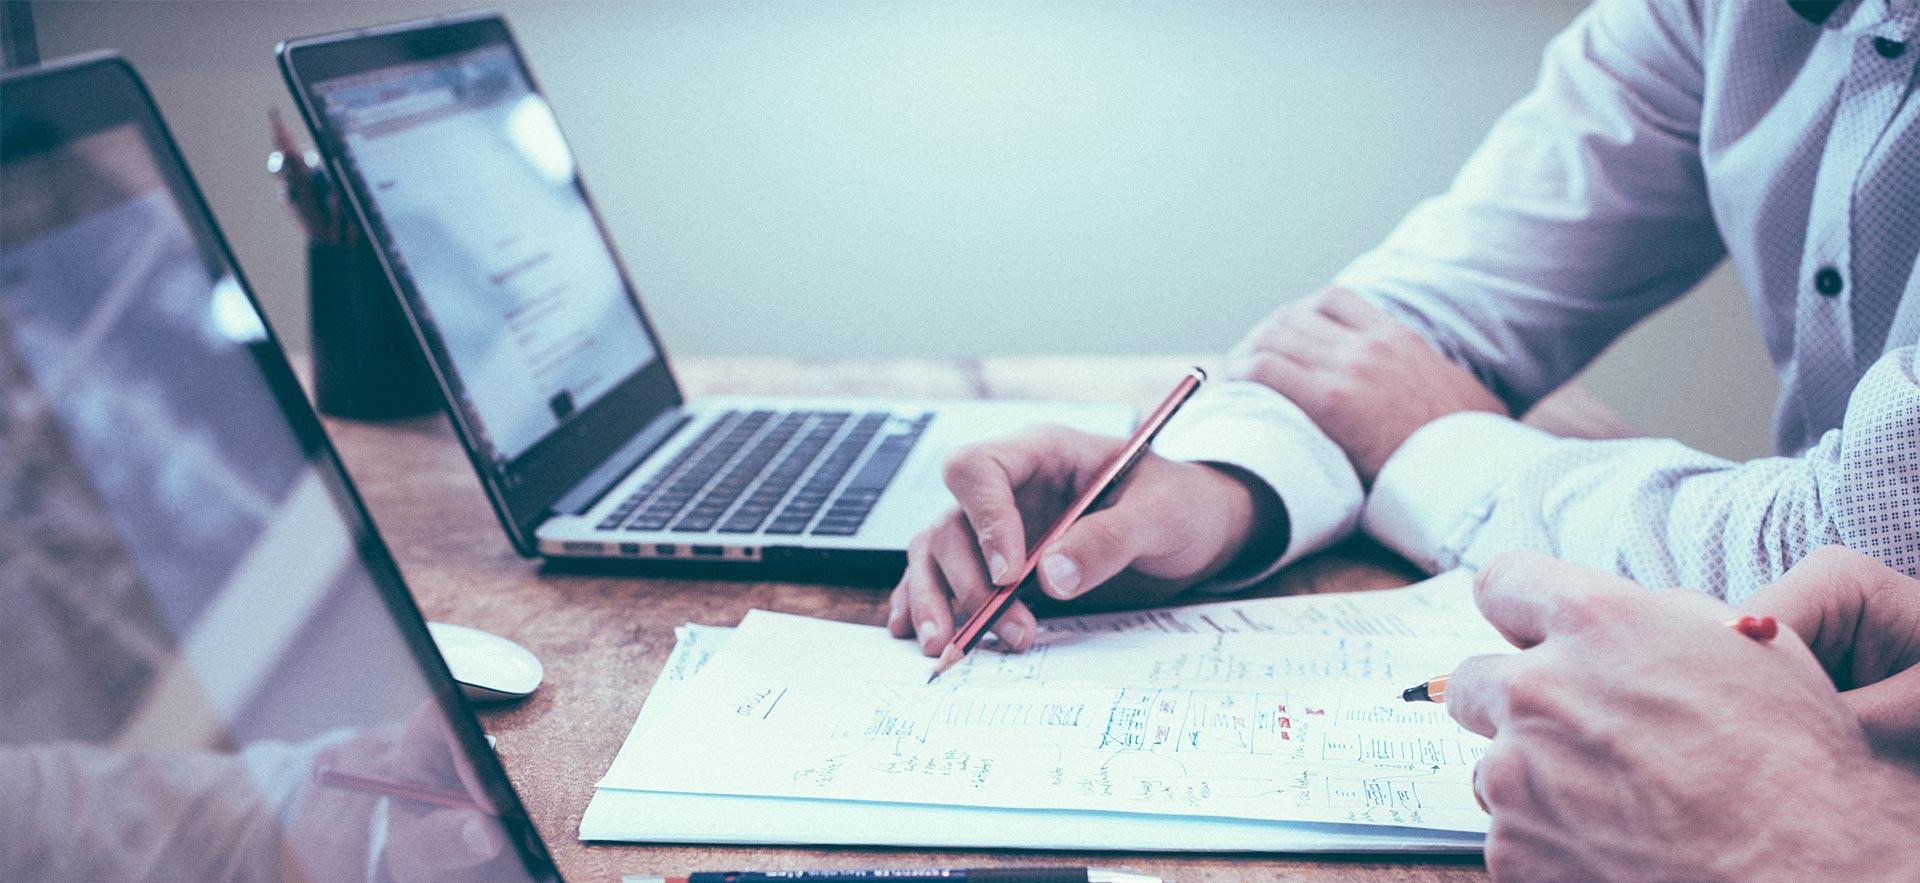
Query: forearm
x=1469, y=486
x=1584, y=210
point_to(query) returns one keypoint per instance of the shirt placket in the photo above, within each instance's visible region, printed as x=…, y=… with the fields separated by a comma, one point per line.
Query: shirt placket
x=1824, y=344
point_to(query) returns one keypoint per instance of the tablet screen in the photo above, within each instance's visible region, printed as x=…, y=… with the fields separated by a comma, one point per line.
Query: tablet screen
x=210, y=670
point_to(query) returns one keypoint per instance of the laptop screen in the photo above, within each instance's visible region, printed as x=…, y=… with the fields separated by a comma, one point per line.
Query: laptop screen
x=459, y=174
x=211, y=669
x=476, y=195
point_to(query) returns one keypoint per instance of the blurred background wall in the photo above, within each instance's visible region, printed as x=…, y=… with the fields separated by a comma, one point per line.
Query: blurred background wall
x=818, y=179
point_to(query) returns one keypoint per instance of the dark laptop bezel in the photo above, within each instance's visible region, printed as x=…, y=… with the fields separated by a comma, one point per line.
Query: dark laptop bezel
x=48, y=105
x=524, y=492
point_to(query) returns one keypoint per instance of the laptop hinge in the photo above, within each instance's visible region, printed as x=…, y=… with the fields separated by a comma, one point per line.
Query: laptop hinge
x=583, y=496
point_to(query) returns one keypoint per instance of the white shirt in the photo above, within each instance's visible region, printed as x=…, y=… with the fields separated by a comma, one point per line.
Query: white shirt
x=1661, y=138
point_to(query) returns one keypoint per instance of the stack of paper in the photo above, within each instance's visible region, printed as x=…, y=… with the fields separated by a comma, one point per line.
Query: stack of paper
x=1269, y=725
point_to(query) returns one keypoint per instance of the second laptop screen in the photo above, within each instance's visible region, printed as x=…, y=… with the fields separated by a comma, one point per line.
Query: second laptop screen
x=475, y=190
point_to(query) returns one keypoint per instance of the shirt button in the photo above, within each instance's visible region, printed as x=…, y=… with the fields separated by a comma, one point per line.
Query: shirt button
x=1828, y=281
x=1888, y=48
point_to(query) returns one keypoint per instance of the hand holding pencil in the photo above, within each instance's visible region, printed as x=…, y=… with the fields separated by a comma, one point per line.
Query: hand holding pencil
x=1628, y=710
x=1172, y=525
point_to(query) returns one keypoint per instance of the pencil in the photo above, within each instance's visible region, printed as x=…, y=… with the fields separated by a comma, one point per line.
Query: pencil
x=1759, y=628
x=331, y=777
x=1111, y=477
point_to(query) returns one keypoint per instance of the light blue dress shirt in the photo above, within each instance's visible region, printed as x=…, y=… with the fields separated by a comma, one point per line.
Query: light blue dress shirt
x=1661, y=138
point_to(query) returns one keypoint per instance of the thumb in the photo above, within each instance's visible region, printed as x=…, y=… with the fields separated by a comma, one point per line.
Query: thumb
x=1889, y=712
x=1093, y=550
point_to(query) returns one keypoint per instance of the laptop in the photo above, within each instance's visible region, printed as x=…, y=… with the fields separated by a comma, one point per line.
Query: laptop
x=212, y=667
x=552, y=375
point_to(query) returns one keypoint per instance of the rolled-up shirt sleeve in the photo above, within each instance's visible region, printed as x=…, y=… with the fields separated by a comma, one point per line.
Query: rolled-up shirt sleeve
x=1469, y=486
x=1584, y=210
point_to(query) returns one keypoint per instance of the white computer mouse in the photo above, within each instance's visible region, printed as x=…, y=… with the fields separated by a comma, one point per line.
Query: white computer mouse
x=487, y=667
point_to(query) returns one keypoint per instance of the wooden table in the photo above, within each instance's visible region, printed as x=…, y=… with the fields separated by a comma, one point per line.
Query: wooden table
x=604, y=638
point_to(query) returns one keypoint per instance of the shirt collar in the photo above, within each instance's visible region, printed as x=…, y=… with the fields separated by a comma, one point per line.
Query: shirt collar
x=1894, y=19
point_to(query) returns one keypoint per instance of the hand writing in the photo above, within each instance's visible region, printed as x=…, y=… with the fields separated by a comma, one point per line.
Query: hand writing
x=1637, y=737
x=1172, y=524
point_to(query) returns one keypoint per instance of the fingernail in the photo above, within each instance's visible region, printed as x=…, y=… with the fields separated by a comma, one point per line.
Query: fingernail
x=929, y=634
x=1062, y=574
x=478, y=838
x=1016, y=634
x=997, y=566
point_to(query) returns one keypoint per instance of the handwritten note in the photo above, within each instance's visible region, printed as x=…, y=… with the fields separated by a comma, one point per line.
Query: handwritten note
x=1280, y=709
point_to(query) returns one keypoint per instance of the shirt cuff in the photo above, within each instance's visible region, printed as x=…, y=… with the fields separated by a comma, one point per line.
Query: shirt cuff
x=1439, y=486
x=1249, y=426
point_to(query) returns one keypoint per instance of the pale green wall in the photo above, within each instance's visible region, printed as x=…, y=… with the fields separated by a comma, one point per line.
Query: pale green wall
x=817, y=179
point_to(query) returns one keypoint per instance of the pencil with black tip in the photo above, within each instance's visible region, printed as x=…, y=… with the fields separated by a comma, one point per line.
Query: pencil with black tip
x=1111, y=477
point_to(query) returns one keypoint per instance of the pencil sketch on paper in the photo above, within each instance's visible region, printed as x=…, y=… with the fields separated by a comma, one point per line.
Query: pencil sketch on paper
x=1303, y=725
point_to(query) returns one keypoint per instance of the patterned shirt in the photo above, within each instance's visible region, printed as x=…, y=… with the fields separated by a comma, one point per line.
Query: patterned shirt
x=1661, y=138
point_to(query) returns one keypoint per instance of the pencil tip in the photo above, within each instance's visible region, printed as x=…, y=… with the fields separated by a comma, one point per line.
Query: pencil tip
x=1414, y=694
x=948, y=657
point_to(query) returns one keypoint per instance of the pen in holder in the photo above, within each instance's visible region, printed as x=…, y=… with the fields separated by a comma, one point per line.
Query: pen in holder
x=366, y=364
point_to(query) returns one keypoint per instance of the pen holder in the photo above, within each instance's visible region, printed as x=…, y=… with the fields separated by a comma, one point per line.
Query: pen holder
x=366, y=363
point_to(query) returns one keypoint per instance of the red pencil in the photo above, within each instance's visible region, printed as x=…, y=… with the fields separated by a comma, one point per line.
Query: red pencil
x=1111, y=477
x=1759, y=628
x=329, y=776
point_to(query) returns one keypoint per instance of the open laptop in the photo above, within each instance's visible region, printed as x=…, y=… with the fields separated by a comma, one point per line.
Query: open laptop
x=212, y=669
x=555, y=380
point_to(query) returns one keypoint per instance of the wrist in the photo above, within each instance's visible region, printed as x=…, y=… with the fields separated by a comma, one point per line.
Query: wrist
x=1254, y=518
x=1880, y=805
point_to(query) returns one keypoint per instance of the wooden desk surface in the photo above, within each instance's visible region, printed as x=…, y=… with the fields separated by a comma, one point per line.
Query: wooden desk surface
x=603, y=638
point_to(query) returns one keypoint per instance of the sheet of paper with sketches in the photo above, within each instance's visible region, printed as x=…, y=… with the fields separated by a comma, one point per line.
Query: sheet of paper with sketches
x=656, y=817
x=1268, y=710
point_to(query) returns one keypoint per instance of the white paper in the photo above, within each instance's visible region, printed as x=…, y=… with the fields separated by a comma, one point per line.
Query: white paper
x=651, y=817
x=1294, y=719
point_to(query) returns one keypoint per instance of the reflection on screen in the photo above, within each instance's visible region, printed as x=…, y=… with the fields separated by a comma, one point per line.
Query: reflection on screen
x=195, y=665
x=477, y=194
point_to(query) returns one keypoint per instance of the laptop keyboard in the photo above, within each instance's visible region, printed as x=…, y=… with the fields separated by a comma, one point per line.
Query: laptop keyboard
x=740, y=473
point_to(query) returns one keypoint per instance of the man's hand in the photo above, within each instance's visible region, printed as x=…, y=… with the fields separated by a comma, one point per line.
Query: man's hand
x=1862, y=620
x=1639, y=738
x=422, y=842
x=1172, y=524
x=1367, y=380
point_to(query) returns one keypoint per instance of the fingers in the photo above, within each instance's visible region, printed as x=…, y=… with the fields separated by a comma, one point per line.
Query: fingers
x=1350, y=309
x=1528, y=595
x=958, y=561
x=983, y=478
x=1479, y=689
x=1860, y=617
x=1820, y=597
x=1889, y=712
x=1277, y=371
x=945, y=576
x=1093, y=550
x=927, y=594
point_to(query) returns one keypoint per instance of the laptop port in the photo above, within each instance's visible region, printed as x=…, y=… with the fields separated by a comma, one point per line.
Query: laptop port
x=710, y=551
x=667, y=549
x=629, y=548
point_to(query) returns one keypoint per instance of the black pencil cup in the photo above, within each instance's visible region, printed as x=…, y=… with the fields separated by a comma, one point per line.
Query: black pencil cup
x=366, y=363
